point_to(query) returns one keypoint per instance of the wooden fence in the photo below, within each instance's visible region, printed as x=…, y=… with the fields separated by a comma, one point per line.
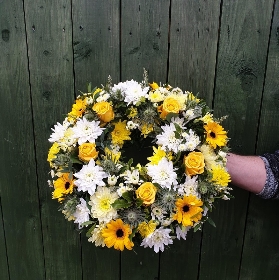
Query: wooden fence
x=227, y=50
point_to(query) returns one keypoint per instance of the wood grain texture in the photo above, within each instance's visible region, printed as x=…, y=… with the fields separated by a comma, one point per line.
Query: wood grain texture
x=96, y=56
x=240, y=74
x=4, y=265
x=49, y=37
x=260, y=258
x=18, y=184
x=96, y=34
x=144, y=39
x=193, y=45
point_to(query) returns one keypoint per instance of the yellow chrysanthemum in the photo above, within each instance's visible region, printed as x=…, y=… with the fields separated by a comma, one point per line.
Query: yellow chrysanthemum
x=146, y=129
x=209, y=155
x=97, y=90
x=192, y=97
x=63, y=185
x=220, y=176
x=132, y=112
x=146, y=229
x=188, y=210
x=116, y=234
x=156, y=96
x=54, y=149
x=120, y=133
x=77, y=109
x=207, y=118
x=158, y=154
x=215, y=135
x=112, y=155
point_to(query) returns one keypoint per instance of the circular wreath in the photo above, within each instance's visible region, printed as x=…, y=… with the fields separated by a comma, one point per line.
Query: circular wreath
x=152, y=199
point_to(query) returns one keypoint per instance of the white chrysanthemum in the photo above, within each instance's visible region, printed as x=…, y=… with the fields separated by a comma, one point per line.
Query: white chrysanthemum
x=191, y=139
x=132, y=177
x=87, y=130
x=122, y=189
x=179, y=121
x=112, y=180
x=58, y=132
x=163, y=174
x=167, y=138
x=181, y=232
x=132, y=91
x=158, y=239
x=96, y=235
x=101, y=202
x=131, y=125
x=89, y=177
x=103, y=97
x=69, y=140
x=82, y=213
x=189, y=187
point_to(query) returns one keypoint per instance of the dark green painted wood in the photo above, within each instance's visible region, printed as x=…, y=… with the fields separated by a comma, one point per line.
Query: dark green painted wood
x=18, y=185
x=49, y=36
x=260, y=258
x=96, y=34
x=96, y=31
x=4, y=266
x=193, y=45
x=239, y=83
x=180, y=260
x=144, y=39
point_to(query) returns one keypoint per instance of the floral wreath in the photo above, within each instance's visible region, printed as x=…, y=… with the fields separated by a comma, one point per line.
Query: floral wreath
x=118, y=202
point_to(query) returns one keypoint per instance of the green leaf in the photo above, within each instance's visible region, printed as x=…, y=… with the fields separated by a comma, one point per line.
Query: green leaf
x=89, y=87
x=75, y=160
x=197, y=227
x=133, y=233
x=121, y=203
x=128, y=196
x=88, y=233
x=139, y=202
x=211, y=222
x=87, y=223
x=171, y=115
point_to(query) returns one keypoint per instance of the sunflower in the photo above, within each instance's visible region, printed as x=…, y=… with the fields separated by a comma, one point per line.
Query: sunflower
x=53, y=151
x=120, y=133
x=215, y=135
x=77, y=109
x=63, y=185
x=117, y=234
x=188, y=210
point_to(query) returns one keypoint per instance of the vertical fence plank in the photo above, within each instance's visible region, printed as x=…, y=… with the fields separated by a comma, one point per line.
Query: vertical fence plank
x=260, y=253
x=18, y=184
x=49, y=37
x=193, y=45
x=4, y=266
x=97, y=55
x=144, y=39
x=239, y=83
x=144, y=44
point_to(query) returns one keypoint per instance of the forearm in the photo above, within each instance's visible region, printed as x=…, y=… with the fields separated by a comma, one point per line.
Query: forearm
x=247, y=172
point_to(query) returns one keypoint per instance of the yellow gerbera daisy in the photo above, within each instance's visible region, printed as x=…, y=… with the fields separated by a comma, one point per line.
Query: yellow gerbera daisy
x=215, y=135
x=120, y=133
x=188, y=210
x=116, y=234
x=220, y=176
x=63, y=185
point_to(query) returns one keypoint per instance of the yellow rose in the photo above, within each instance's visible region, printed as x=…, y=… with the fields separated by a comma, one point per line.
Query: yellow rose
x=146, y=192
x=87, y=151
x=104, y=111
x=170, y=105
x=194, y=163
